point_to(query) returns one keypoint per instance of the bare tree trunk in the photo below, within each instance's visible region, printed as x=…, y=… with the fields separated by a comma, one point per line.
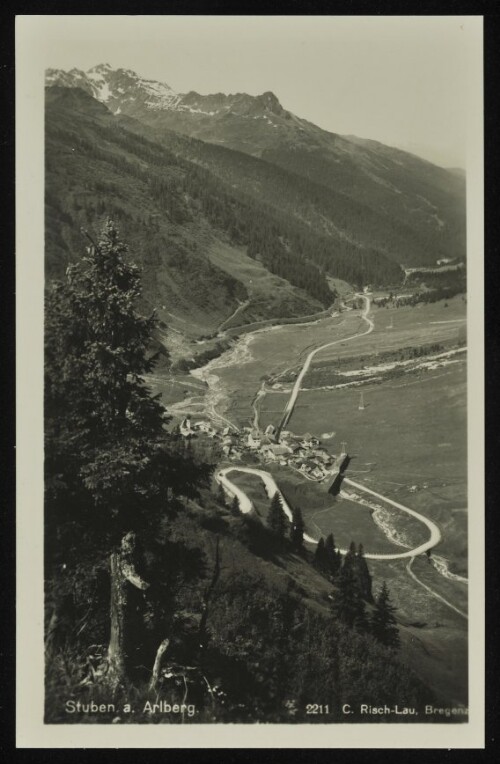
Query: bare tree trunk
x=51, y=630
x=123, y=574
x=116, y=648
x=157, y=665
x=202, y=631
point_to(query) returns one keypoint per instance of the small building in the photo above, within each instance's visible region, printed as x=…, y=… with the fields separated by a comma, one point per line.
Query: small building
x=322, y=455
x=280, y=449
x=185, y=428
x=206, y=427
x=275, y=451
x=309, y=441
x=253, y=440
x=308, y=465
x=317, y=472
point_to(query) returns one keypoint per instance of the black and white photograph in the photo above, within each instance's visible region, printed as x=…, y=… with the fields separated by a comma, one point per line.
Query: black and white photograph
x=254, y=433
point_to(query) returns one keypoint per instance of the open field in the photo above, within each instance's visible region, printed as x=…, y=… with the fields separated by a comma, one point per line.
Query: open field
x=322, y=513
x=412, y=326
x=254, y=489
x=346, y=519
x=271, y=352
x=241, y=370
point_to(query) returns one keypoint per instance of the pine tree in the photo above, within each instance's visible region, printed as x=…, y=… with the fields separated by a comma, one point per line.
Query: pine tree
x=276, y=518
x=235, y=506
x=348, y=605
x=350, y=558
x=383, y=622
x=221, y=496
x=363, y=575
x=331, y=555
x=297, y=530
x=108, y=462
x=320, y=560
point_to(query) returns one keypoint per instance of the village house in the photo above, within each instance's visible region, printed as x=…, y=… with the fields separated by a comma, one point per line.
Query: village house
x=317, y=472
x=185, y=428
x=300, y=452
x=322, y=455
x=275, y=451
x=309, y=441
x=203, y=426
x=253, y=440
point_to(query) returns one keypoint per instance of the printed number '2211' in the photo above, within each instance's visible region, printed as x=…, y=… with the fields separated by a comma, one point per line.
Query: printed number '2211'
x=316, y=708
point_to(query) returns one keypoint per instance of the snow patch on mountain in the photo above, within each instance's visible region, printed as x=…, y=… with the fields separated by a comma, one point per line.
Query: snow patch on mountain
x=122, y=86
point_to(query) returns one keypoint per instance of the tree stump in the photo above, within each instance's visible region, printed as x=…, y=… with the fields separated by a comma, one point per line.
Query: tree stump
x=123, y=577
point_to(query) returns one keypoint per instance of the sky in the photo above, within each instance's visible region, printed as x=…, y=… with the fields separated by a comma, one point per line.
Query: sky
x=399, y=80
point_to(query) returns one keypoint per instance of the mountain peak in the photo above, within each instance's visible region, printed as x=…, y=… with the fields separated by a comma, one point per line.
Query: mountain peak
x=270, y=102
x=122, y=89
x=100, y=68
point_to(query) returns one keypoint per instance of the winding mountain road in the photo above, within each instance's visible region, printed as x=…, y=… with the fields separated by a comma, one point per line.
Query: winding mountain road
x=246, y=505
x=435, y=533
x=271, y=487
x=298, y=382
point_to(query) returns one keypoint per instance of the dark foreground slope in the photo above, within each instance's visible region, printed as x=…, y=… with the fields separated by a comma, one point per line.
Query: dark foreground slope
x=274, y=645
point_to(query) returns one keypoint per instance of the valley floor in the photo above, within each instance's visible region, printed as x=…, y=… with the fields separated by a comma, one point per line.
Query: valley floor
x=408, y=443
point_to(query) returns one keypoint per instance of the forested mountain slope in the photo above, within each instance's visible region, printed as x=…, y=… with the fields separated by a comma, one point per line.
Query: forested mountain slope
x=380, y=197
x=170, y=215
x=175, y=201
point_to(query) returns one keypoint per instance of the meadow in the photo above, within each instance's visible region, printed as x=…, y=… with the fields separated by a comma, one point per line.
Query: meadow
x=272, y=352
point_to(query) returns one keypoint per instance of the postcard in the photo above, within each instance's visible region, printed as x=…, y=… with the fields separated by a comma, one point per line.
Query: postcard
x=250, y=372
